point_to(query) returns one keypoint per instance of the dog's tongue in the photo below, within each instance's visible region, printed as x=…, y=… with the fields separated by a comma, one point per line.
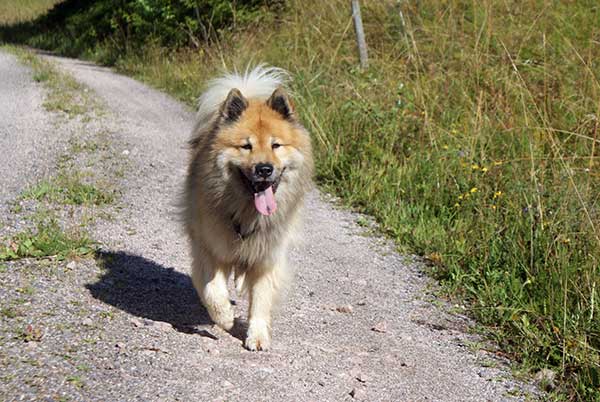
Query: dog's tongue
x=264, y=201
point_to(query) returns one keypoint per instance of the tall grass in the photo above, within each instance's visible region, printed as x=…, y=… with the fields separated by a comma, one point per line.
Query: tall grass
x=472, y=138
x=12, y=11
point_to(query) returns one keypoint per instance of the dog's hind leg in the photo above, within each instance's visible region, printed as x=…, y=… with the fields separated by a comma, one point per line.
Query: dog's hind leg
x=210, y=281
x=264, y=286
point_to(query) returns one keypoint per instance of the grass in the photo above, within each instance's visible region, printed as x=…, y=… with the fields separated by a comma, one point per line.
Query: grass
x=472, y=138
x=13, y=12
x=49, y=239
x=64, y=94
x=71, y=189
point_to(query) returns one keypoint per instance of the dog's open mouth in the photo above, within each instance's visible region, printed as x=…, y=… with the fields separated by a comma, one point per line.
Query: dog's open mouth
x=264, y=193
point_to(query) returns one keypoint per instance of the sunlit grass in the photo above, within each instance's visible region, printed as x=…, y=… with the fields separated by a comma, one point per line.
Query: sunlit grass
x=48, y=239
x=14, y=11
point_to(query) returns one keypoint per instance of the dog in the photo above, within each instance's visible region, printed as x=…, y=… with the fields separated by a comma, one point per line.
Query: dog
x=251, y=166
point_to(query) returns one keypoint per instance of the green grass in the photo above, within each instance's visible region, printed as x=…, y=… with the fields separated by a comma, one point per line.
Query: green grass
x=472, y=139
x=47, y=240
x=70, y=189
x=64, y=93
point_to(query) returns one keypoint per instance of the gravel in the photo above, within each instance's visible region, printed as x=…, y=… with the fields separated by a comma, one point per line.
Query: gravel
x=28, y=138
x=360, y=322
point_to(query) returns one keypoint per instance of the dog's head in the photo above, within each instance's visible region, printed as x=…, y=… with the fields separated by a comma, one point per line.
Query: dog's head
x=261, y=144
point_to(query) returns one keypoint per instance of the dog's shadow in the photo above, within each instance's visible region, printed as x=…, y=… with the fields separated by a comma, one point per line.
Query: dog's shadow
x=152, y=291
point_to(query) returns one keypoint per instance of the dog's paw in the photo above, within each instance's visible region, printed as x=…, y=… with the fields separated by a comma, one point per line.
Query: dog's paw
x=258, y=337
x=223, y=318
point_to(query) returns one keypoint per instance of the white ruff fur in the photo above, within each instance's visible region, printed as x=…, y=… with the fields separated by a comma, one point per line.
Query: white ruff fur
x=214, y=200
x=260, y=82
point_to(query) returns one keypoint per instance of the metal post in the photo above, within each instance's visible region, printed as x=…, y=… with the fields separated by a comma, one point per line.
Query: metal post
x=360, y=34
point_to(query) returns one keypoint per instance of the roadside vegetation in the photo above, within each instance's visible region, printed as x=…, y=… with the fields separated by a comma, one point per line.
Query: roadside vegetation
x=472, y=137
x=13, y=12
x=48, y=239
x=64, y=94
x=47, y=233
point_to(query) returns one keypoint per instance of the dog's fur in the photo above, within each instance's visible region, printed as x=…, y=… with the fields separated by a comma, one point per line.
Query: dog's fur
x=227, y=233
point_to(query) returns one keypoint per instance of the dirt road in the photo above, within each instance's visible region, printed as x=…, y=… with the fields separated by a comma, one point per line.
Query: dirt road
x=358, y=324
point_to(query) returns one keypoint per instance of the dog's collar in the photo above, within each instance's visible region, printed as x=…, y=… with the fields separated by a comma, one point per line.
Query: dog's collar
x=237, y=229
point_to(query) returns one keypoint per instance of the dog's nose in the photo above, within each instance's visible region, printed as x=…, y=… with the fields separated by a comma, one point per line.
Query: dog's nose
x=263, y=170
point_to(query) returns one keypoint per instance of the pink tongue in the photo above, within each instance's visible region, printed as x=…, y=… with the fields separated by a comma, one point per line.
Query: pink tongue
x=265, y=202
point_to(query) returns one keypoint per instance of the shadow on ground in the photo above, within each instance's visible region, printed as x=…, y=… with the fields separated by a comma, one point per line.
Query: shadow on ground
x=149, y=290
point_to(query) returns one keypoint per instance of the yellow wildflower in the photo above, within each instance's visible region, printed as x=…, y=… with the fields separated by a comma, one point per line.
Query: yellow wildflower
x=497, y=194
x=475, y=167
x=484, y=169
x=498, y=163
x=473, y=190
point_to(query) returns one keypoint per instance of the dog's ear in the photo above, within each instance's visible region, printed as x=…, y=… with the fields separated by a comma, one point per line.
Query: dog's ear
x=281, y=103
x=234, y=106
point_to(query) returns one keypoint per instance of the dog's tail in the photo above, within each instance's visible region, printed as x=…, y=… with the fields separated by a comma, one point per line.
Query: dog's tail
x=258, y=82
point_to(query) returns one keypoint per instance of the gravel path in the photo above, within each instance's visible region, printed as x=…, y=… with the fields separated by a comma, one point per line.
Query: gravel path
x=359, y=322
x=23, y=124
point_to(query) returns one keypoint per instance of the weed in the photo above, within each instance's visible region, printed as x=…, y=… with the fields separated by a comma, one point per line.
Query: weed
x=69, y=189
x=64, y=93
x=30, y=334
x=76, y=380
x=48, y=240
x=83, y=367
x=10, y=312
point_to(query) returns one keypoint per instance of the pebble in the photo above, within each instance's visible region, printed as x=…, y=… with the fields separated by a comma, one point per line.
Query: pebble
x=344, y=309
x=72, y=265
x=136, y=322
x=362, y=378
x=87, y=322
x=162, y=326
x=380, y=327
x=357, y=393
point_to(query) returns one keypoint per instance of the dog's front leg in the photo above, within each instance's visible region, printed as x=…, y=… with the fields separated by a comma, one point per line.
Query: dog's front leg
x=210, y=281
x=264, y=287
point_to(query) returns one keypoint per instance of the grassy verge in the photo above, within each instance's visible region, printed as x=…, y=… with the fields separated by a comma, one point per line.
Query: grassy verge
x=73, y=191
x=64, y=94
x=472, y=139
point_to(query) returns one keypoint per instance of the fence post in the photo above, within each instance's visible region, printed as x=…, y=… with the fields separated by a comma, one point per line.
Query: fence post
x=360, y=34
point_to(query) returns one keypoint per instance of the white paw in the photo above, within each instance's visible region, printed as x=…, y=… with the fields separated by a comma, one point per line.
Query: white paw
x=258, y=337
x=223, y=317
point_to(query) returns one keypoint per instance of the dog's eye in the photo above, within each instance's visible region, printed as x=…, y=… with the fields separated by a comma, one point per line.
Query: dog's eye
x=247, y=146
x=275, y=145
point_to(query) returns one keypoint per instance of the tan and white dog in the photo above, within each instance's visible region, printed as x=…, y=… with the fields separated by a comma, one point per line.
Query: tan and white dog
x=251, y=166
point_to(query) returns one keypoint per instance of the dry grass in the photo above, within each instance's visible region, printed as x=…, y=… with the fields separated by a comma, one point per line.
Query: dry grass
x=15, y=11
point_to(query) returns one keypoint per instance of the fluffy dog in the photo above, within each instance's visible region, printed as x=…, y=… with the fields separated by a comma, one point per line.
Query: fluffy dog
x=251, y=166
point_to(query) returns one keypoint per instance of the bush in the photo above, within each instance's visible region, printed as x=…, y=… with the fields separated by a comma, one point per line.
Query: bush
x=112, y=27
